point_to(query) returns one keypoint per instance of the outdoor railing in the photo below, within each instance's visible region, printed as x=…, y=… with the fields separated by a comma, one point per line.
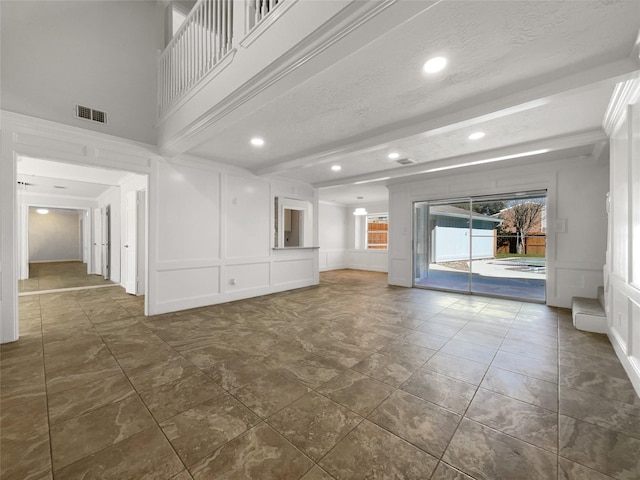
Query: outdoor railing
x=202, y=41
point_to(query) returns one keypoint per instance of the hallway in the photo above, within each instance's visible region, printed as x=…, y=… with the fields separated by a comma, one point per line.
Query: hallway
x=349, y=379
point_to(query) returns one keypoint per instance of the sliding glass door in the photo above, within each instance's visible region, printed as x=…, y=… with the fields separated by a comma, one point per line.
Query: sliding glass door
x=487, y=245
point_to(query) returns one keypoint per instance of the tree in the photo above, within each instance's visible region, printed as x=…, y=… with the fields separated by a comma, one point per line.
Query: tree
x=489, y=208
x=522, y=216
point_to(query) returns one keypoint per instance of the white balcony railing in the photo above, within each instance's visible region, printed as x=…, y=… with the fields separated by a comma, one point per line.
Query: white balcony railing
x=202, y=41
x=262, y=8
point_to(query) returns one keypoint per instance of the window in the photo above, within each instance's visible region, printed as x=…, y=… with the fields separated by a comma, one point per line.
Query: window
x=377, y=232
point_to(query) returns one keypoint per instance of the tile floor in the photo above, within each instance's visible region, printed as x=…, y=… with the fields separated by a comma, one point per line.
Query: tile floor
x=56, y=275
x=348, y=380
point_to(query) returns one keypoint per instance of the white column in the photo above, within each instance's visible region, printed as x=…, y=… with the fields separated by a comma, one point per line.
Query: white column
x=8, y=257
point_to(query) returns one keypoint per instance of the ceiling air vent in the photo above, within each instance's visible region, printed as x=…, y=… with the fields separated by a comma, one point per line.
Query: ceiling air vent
x=406, y=161
x=91, y=114
x=25, y=184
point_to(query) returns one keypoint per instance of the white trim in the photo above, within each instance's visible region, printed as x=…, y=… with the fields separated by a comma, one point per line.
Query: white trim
x=624, y=94
x=218, y=68
x=266, y=22
x=348, y=19
x=70, y=289
x=550, y=144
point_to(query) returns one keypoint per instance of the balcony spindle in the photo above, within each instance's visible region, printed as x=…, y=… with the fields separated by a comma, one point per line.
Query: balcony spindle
x=205, y=37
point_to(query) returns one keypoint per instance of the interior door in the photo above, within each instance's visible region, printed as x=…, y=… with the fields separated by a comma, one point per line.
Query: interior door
x=97, y=241
x=130, y=263
x=106, y=242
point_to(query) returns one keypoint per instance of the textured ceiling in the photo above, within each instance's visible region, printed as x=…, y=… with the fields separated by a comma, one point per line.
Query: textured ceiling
x=563, y=115
x=523, y=72
x=55, y=178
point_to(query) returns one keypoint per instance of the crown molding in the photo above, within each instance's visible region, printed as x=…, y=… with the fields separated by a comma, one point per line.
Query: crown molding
x=48, y=140
x=340, y=26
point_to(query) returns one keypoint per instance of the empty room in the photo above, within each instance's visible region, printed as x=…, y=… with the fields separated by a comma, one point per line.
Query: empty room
x=312, y=239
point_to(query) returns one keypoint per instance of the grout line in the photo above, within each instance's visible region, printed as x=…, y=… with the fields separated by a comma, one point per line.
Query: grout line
x=46, y=388
x=395, y=388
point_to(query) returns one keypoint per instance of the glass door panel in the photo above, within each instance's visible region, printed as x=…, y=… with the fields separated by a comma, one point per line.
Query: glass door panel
x=517, y=267
x=442, y=245
x=487, y=245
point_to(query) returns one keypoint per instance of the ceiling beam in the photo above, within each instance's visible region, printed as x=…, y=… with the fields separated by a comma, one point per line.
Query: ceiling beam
x=471, y=112
x=488, y=156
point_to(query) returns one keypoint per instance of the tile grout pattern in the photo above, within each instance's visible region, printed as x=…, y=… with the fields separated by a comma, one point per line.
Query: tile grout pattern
x=350, y=379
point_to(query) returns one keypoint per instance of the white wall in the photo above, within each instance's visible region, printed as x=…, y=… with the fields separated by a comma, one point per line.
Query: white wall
x=27, y=199
x=54, y=237
x=622, y=270
x=211, y=236
x=334, y=221
x=576, y=218
x=100, y=54
x=210, y=226
x=342, y=239
x=358, y=257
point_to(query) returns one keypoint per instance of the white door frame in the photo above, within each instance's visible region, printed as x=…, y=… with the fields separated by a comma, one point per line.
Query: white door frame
x=37, y=138
x=129, y=262
x=142, y=242
x=106, y=241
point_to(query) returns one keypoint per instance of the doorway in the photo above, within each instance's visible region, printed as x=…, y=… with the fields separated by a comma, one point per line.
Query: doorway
x=99, y=196
x=55, y=246
x=492, y=245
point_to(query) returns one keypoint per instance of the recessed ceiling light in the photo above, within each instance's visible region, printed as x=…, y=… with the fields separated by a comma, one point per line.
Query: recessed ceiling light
x=477, y=135
x=42, y=211
x=434, y=65
x=257, y=141
x=393, y=155
x=360, y=211
x=336, y=168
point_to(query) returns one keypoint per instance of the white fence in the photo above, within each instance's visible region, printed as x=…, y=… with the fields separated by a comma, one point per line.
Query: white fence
x=452, y=244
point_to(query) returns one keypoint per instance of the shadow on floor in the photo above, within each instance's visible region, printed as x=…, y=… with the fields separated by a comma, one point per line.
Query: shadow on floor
x=518, y=288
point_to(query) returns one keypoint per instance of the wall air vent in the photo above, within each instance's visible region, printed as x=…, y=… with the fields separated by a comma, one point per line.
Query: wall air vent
x=406, y=161
x=92, y=114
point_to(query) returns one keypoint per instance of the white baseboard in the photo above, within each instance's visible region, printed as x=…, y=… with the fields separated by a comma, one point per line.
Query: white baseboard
x=629, y=365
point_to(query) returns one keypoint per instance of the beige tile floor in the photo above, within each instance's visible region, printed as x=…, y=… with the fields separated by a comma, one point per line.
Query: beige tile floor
x=56, y=275
x=350, y=379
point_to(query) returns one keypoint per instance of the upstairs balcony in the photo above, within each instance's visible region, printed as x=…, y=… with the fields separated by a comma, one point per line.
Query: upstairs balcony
x=206, y=40
x=231, y=57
